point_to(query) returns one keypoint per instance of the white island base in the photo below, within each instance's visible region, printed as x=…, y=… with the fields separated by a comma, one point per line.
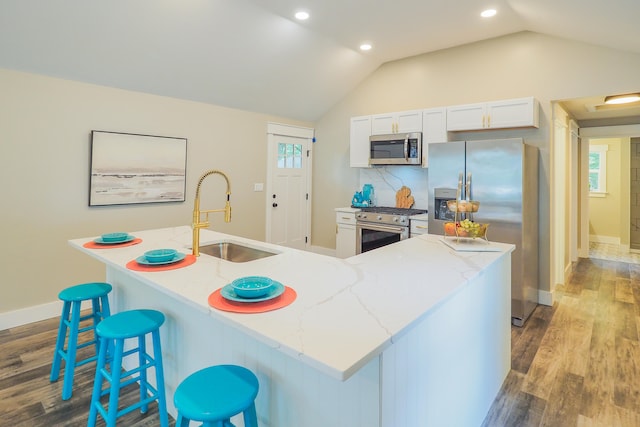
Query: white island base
x=442, y=369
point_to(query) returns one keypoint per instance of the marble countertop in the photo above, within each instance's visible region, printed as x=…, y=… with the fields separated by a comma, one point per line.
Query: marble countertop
x=347, y=311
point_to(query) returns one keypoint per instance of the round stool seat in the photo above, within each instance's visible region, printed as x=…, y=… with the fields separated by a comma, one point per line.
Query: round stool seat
x=84, y=292
x=129, y=324
x=216, y=393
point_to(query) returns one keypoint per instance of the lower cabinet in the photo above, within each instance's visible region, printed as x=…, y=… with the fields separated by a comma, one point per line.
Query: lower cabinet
x=345, y=232
x=419, y=226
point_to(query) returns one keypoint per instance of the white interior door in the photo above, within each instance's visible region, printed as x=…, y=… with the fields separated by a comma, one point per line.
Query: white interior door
x=288, y=186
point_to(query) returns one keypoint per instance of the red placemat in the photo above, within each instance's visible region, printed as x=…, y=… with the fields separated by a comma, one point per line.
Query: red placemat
x=188, y=260
x=94, y=245
x=218, y=301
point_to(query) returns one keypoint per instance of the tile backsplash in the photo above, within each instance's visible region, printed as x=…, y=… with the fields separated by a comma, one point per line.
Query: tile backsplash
x=387, y=180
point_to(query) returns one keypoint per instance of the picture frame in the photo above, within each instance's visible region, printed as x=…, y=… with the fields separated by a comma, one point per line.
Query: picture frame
x=127, y=168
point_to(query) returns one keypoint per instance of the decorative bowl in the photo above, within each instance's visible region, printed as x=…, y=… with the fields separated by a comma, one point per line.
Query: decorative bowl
x=160, y=255
x=114, y=237
x=252, y=286
x=463, y=205
x=452, y=229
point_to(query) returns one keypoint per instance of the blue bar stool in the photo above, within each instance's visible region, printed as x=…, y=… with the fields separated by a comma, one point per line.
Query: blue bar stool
x=113, y=332
x=70, y=318
x=214, y=394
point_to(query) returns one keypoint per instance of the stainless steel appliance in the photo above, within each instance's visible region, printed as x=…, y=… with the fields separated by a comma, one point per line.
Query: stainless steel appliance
x=504, y=179
x=396, y=149
x=380, y=226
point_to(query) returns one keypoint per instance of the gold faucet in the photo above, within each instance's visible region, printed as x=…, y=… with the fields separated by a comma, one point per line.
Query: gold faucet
x=197, y=213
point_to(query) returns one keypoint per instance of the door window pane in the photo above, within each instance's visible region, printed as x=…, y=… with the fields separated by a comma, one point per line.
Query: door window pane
x=289, y=156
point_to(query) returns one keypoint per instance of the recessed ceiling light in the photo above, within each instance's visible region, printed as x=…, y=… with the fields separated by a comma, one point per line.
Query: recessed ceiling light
x=365, y=46
x=488, y=13
x=302, y=16
x=622, y=99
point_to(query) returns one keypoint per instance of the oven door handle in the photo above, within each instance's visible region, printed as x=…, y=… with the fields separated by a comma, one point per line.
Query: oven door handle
x=375, y=227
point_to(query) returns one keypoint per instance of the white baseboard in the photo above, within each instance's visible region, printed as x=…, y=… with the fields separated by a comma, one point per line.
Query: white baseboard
x=11, y=319
x=604, y=239
x=545, y=297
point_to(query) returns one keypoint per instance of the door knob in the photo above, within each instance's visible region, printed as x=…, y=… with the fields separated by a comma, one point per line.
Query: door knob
x=275, y=205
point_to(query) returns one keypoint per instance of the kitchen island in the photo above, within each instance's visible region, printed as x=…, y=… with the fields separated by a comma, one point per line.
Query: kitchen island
x=411, y=334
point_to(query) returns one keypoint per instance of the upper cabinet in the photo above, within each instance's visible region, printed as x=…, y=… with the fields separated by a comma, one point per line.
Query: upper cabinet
x=511, y=113
x=434, y=130
x=401, y=122
x=359, y=141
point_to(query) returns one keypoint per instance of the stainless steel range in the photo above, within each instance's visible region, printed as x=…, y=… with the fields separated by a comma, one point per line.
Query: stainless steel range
x=380, y=226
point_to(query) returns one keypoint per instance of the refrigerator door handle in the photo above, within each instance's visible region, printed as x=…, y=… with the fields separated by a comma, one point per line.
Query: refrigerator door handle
x=468, y=187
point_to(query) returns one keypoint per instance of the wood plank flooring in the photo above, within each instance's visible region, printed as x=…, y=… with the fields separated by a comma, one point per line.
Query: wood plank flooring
x=574, y=364
x=578, y=363
x=29, y=399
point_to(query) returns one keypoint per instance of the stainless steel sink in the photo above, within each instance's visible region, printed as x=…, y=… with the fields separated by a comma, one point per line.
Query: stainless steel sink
x=235, y=252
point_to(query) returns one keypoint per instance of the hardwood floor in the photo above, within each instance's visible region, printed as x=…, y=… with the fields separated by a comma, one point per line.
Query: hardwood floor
x=29, y=399
x=574, y=364
x=578, y=363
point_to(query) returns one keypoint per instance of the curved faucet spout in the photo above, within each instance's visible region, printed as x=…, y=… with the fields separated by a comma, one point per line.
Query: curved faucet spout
x=197, y=213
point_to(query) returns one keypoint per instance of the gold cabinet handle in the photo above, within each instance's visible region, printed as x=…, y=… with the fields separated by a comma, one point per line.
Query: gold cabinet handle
x=422, y=226
x=488, y=121
x=483, y=120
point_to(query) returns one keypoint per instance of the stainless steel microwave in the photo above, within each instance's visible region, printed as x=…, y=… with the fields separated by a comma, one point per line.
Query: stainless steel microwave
x=396, y=149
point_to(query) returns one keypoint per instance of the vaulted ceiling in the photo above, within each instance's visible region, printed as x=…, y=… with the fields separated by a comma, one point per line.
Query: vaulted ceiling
x=254, y=55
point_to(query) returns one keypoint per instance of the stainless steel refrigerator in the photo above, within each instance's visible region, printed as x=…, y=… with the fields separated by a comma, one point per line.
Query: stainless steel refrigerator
x=504, y=179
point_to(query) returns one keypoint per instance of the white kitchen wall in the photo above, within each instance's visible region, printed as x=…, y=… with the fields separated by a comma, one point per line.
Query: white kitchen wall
x=517, y=65
x=387, y=180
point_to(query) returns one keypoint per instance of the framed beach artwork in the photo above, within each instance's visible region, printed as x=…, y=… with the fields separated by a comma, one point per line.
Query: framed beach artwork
x=128, y=168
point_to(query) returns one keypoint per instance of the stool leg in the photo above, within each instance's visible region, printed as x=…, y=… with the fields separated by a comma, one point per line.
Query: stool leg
x=62, y=335
x=105, y=311
x=250, y=417
x=162, y=398
x=114, y=393
x=182, y=421
x=96, y=316
x=70, y=367
x=97, y=383
x=142, y=351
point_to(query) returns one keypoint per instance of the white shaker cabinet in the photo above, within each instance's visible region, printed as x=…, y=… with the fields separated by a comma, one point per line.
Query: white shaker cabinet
x=359, y=134
x=399, y=122
x=434, y=130
x=419, y=225
x=345, y=232
x=510, y=113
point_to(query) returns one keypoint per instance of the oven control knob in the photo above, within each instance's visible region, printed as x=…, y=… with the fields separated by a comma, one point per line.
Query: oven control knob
x=395, y=219
x=401, y=219
x=379, y=217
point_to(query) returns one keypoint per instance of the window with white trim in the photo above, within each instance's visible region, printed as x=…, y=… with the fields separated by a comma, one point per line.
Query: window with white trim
x=598, y=170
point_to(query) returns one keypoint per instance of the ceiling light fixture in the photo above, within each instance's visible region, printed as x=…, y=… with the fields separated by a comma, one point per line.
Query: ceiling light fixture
x=622, y=99
x=365, y=46
x=488, y=13
x=302, y=16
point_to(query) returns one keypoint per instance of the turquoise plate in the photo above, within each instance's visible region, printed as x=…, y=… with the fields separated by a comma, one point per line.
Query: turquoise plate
x=143, y=260
x=276, y=290
x=100, y=241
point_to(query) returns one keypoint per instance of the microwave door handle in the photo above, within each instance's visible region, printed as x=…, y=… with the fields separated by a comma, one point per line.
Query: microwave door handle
x=406, y=148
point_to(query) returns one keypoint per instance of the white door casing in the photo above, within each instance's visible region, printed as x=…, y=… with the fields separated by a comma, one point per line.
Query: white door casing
x=288, y=196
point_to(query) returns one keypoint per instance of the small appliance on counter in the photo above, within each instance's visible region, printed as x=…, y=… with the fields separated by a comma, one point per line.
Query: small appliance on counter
x=364, y=198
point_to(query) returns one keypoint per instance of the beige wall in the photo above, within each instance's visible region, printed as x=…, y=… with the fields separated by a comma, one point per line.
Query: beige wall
x=604, y=211
x=44, y=147
x=45, y=126
x=523, y=64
